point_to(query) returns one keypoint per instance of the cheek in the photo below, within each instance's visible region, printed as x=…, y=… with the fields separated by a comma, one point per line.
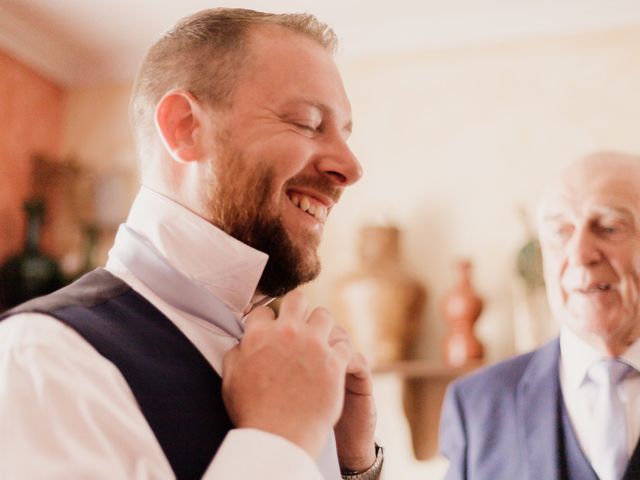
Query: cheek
x=631, y=283
x=552, y=269
x=635, y=268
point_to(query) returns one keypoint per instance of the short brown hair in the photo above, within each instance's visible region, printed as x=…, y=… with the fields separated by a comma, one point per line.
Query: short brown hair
x=203, y=53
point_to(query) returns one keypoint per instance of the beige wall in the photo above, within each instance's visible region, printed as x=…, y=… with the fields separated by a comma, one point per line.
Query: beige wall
x=452, y=143
x=97, y=135
x=97, y=128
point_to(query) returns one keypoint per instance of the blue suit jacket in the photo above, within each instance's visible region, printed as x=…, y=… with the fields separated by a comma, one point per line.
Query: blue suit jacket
x=503, y=422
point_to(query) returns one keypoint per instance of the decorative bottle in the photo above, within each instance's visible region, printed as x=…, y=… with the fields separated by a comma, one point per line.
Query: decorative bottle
x=380, y=304
x=30, y=273
x=461, y=308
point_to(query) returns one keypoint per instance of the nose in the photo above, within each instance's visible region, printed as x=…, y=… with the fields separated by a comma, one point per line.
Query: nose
x=583, y=248
x=339, y=163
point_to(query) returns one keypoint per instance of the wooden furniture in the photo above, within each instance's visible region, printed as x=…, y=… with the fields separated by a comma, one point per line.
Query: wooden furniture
x=424, y=386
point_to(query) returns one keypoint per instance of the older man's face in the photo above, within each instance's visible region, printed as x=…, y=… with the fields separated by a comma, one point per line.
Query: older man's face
x=589, y=232
x=280, y=160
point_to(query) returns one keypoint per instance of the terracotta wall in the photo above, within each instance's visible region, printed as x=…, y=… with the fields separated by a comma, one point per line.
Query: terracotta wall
x=31, y=111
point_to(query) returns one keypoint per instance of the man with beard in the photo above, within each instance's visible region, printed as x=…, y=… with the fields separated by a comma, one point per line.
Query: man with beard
x=241, y=122
x=571, y=409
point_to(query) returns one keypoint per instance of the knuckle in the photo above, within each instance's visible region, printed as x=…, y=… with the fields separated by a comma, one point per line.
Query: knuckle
x=288, y=331
x=323, y=315
x=362, y=359
x=252, y=333
x=340, y=332
x=295, y=298
x=316, y=345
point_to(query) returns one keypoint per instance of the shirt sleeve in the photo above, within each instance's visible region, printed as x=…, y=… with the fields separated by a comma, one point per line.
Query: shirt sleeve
x=249, y=454
x=67, y=412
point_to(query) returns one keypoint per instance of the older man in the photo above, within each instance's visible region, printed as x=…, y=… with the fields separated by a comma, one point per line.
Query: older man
x=241, y=122
x=571, y=409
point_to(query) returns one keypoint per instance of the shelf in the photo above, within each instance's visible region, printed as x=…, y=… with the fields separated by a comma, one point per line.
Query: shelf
x=428, y=369
x=424, y=386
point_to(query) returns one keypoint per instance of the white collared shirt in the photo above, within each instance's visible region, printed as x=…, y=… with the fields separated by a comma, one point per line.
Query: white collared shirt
x=45, y=367
x=580, y=395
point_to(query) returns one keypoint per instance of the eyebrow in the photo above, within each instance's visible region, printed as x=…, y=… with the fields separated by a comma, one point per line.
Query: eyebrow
x=600, y=210
x=553, y=217
x=614, y=210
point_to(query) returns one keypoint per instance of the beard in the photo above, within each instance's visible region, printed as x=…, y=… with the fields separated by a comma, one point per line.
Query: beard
x=244, y=204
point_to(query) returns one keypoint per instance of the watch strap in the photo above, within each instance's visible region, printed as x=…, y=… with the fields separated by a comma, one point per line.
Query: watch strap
x=371, y=473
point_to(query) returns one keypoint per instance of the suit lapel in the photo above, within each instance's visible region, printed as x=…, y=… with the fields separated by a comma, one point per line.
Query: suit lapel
x=537, y=407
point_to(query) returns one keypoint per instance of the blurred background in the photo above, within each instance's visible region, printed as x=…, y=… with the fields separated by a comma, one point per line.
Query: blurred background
x=463, y=109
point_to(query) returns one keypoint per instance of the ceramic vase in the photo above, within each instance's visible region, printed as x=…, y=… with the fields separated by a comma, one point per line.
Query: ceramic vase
x=461, y=307
x=380, y=304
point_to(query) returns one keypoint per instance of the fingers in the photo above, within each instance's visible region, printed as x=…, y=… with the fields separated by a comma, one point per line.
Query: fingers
x=229, y=359
x=285, y=376
x=338, y=334
x=294, y=310
x=358, y=365
x=343, y=352
x=320, y=323
x=259, y=314
x=294, y=307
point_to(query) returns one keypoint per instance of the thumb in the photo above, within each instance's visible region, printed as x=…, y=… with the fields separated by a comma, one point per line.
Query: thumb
x=229, y=360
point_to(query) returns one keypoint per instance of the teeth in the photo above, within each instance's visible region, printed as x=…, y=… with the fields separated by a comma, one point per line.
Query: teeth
x=603, y=286
x=306, y=204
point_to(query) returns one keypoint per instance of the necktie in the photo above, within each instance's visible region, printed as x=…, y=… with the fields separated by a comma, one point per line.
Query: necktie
x=609, y=446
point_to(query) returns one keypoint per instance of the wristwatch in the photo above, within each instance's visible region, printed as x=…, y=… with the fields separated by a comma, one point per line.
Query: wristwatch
x=371, y=473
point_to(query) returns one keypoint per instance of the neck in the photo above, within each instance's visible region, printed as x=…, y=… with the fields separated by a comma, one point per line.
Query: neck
x=609, y=347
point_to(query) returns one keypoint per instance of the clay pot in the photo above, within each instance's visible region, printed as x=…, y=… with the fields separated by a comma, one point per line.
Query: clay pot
x=380, y=304
x=461, y=308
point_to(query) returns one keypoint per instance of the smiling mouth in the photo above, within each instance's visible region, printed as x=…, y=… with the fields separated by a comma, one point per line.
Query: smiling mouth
x=310, y=205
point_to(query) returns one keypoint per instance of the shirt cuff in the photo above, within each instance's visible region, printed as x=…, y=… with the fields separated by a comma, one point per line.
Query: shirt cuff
x=247, y=454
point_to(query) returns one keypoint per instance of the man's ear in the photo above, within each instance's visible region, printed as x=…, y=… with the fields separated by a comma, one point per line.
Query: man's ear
x=178, y=122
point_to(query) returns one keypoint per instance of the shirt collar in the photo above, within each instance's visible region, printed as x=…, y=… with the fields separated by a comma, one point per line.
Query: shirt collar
x=631, y=355
x=202, y=252
x=577, y=356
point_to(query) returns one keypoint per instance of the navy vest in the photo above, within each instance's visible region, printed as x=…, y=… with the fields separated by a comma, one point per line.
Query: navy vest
x=177, y=390
x=573, y=463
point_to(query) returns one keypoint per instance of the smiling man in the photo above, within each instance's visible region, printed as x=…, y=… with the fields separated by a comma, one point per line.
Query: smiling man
x=572, y=408
x=167, y=363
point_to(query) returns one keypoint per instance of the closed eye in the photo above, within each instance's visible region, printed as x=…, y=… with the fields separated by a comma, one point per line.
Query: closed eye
x=309, y=129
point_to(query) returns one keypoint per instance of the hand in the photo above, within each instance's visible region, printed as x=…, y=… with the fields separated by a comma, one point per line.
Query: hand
x=285, y=377
x=355, y=430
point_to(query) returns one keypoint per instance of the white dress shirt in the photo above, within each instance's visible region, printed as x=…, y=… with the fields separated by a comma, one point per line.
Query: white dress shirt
x=67, y=412
x=580, y=395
